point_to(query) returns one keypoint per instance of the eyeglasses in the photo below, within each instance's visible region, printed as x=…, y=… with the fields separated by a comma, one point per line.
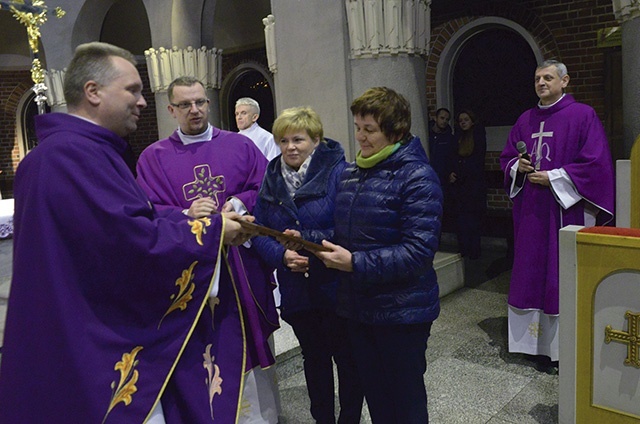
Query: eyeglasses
x=200, y=104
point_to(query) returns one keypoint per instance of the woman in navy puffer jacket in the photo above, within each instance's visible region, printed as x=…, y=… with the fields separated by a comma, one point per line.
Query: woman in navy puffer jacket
x=297, y=196
x=388, y=214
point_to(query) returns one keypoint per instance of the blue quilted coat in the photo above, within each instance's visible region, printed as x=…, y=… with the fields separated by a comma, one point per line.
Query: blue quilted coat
x=310, y=211
x=388, y=216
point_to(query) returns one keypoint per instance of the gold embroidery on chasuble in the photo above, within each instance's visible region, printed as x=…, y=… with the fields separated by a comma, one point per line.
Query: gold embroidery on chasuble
x=213, y=379
x=535, y=330
x=186, y=286
x=213, y=302
x=204, y=185
x=631, y=338
x=128, y=379
x=199, y=227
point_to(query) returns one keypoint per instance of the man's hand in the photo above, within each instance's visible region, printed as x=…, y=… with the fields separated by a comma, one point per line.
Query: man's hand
x=234, y=233
x=338, y=258
x=227, y=207
x=201, y=207
x=540, y=177
x=524, y=165
x=296, y=262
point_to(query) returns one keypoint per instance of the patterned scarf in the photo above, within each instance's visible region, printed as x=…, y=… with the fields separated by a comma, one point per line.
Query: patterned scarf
x=292, y=178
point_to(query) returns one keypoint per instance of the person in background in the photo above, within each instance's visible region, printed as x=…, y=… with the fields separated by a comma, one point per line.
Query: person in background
x=247, y=114
x=467, y=183
x=107, y=318
x=441, y=143
x=202, y=171
x=387, y=224
x=298, y=196
x=567, y=178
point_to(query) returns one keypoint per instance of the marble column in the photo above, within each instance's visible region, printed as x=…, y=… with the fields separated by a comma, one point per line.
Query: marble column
x=627, y=12
x=388, y=41
x=166, y=64
x=53, y=80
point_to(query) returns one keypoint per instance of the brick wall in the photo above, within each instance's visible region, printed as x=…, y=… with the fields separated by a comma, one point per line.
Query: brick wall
x=13, y=86
x=565, y=30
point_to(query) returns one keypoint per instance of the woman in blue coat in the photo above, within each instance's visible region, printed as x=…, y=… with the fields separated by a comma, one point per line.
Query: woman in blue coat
x=388, y=212
x=298, y=196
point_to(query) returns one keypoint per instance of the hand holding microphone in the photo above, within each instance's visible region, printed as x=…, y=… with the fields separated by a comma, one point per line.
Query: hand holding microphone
x=523, y=167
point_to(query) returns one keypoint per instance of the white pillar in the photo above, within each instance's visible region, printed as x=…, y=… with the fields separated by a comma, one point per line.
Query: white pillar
x=627, y=12
x=164, y=65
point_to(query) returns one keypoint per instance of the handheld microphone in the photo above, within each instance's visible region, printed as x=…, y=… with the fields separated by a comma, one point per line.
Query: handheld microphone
x=522, y=148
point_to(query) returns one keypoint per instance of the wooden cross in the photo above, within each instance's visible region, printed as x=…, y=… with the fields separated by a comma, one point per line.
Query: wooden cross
x=32, y=14
x=631, y=338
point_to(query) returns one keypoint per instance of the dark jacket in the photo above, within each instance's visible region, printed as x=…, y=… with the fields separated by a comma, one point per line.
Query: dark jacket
x=310, y=211
x=388, y=216
x=440, y=152
x=470, y=189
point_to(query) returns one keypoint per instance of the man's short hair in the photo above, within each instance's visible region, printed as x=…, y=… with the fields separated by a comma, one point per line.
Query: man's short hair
x=388, y=108
x=296, y=119
x=442, y=109
x=561, y=68
x=248, y=101
x=91, y=62
x=183, y=81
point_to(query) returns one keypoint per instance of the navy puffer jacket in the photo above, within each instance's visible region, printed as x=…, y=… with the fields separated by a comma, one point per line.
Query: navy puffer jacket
x=389, y=217
x=310, y=211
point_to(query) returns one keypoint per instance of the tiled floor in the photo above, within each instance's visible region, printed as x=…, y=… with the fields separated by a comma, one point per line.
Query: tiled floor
x=471, y=377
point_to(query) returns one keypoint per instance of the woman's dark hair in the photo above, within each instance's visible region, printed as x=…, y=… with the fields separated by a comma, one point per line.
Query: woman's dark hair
x=390, y=110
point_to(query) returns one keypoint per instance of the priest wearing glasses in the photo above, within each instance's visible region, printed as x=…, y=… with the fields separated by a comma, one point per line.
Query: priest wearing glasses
x=202, y=170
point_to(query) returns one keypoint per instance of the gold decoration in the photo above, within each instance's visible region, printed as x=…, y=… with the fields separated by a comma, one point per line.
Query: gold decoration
x=128, y=379
x=185, y=290
x=198, y=227
x=214, y=382
x=33, y=14
x=631, y=338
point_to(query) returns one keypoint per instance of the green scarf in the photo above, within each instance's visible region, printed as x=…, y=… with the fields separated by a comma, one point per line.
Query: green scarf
x=375, y=159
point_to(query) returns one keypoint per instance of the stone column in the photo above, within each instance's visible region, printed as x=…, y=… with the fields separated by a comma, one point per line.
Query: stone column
x=164, y=65
x=627, y=12
x=352, y=45
x=388, y=41
x=55, y=95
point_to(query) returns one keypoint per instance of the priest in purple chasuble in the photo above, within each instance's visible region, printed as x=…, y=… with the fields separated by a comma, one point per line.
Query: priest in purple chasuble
x=201, y=170
x=567, y=179
x=109, y=314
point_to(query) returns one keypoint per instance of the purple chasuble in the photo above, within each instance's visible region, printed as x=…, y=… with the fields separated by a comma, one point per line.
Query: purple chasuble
x=108, y=296
x=570, y=136
x=229, y=165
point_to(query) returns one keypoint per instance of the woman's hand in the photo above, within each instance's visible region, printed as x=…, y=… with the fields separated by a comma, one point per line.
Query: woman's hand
x=338, y=258
x=291, y=245
x=296, y=262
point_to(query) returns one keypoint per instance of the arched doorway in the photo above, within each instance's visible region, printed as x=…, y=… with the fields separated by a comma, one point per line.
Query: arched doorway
x=493, y=76
x=249, y=80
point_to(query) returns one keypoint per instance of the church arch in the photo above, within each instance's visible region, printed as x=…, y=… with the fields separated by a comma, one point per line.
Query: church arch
x=452, y=49
x=253, y=80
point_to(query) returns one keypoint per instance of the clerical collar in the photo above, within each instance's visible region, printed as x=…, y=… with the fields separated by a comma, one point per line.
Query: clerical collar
x=541, y=106
x=198, y=138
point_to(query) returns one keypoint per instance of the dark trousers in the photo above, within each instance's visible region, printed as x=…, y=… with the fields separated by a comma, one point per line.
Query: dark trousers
x=469, y=234
x=391, y=365
x=323, y=337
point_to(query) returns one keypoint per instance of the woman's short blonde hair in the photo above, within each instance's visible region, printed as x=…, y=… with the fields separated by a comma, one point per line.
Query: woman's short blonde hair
x=296, y=119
